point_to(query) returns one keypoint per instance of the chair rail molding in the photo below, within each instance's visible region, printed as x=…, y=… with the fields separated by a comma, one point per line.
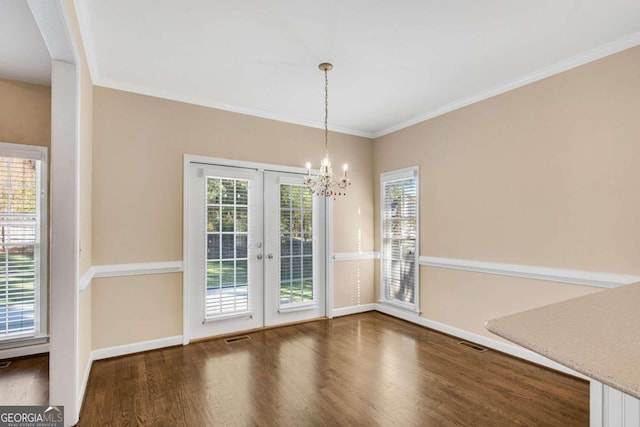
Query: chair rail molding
x=576, y=277
x=131, y=269
x=355, y=256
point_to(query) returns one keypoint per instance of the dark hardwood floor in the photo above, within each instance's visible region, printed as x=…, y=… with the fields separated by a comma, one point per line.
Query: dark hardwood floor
x=366, y=370
x=25, y=381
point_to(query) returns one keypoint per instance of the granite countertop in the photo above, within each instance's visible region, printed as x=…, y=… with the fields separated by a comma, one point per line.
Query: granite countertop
x=597, y=335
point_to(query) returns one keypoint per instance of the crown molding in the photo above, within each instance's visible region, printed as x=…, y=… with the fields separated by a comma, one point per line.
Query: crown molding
x=50, y=19
x=196, y=100
x=542, y=73
x=84, y=24
x=600, y=52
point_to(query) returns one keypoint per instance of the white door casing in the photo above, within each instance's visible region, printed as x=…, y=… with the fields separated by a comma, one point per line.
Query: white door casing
x=212, y=279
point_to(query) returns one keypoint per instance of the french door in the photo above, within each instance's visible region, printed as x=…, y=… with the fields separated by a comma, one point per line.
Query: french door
x=256, y=250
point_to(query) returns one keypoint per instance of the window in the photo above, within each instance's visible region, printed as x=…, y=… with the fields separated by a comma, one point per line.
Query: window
x=23, y=248
x=399, y=204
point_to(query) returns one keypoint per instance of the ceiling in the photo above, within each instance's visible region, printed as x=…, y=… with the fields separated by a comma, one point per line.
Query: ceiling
x=23, y=54
x=396, y=63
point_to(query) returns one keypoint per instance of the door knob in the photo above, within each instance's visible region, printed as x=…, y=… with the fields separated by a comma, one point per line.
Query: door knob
x=259, y=256
x=270, y=256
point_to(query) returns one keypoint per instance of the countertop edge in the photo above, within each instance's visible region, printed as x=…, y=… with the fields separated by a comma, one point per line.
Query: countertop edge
x=575, y=366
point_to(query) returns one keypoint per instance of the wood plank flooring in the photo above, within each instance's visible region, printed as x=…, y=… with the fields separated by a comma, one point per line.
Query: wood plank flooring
x=25, y=381
x=362, y=370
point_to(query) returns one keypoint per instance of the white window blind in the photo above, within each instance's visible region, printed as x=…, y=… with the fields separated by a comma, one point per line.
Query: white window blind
x=227, y=225
x=399, y=196
x=22, y=280
x=296, y=245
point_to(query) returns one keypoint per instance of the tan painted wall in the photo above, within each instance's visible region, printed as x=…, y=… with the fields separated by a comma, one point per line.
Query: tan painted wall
x=85, y=219
x=139, y=143
x=466, y=299
x=25, y=113
x=86, y=166
x=137, y=308
x=84, y=332
x=353, y=283
x=544, y=175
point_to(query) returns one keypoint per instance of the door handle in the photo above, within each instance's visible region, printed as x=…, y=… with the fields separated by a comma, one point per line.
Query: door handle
x=259, y=256
x=270, y=256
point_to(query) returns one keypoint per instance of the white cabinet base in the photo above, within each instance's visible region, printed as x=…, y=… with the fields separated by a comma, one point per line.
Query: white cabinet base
x=612, y=408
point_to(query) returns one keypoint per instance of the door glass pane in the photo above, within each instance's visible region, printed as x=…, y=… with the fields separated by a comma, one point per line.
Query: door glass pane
x=227, y=290
x=296, y=245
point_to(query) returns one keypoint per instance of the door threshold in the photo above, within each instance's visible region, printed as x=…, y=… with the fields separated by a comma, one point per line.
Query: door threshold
x=260, y=329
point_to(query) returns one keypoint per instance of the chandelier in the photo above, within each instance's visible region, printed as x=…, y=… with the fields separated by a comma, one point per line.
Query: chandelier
x=326, y=183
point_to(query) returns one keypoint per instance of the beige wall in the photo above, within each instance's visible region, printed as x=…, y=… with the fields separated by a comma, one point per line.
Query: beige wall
x=139, y=143
x=136, y=308
x=353, y=283
x=25, y=113
x=467, y=299
x=86, y=165
x=543, y=175
x=84, y=332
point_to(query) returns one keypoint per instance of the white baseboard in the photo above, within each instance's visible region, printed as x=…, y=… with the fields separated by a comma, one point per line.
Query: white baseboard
x=85, y=381
x=510, y=349
x=122, y=350
x=136, y=347
x=353, y=309
x=28, y=350
x=513, y=350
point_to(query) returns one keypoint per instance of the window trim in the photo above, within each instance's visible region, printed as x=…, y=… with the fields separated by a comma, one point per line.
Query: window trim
x=41, y=325
x=390, y=176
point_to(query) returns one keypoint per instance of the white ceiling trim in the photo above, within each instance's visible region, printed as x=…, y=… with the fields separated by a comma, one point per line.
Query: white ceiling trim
x=49, y=18
x=557, y=68
x=87, y=38
x=143, y=90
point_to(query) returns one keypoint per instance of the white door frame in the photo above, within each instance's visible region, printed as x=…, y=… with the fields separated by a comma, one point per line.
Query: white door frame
x=205, y=160
x=55, y=25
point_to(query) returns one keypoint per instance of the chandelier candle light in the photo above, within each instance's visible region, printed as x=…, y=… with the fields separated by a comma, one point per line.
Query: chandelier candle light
x=326, y=183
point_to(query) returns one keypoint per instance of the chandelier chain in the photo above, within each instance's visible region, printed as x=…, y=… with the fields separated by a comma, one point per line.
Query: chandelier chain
x=326, y=183
x=326, y=113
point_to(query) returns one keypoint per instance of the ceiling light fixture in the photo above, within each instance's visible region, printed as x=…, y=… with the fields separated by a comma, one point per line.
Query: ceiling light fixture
x=326, y=183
